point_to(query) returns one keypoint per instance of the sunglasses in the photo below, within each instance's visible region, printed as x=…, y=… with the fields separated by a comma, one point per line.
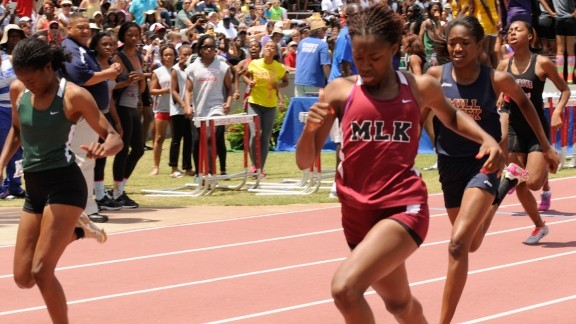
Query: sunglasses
x=206, y=47
x=54, y=27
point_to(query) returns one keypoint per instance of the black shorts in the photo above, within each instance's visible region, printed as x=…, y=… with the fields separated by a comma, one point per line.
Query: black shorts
x=459, y=174
x=64, y=186
x=523, y=142
x=145, y=97
x=545, y=28
x=566, y=26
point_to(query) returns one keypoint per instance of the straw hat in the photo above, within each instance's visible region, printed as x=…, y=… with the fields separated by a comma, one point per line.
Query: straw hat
x=7, y=30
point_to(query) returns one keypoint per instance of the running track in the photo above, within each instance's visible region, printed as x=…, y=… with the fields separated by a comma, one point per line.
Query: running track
x=277, y=268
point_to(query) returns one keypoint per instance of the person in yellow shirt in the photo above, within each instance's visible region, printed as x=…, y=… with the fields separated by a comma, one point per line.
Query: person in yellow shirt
x=265, y=77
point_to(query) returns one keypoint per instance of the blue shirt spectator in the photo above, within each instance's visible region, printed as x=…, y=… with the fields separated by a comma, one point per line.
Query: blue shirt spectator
x=82, y=68
x=312, y=60
x=342, y=53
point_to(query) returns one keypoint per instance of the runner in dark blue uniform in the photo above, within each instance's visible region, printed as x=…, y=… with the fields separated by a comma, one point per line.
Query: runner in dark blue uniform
x=469, y=190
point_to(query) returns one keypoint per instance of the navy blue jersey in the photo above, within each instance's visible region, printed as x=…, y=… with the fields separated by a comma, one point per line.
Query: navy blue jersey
x=533, y=86
x=478, y=100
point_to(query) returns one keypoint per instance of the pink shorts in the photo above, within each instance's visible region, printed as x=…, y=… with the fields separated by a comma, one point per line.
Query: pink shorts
x=357, y=223
x=162, y=115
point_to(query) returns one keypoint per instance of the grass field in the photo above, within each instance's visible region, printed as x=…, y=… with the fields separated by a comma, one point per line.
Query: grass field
x=280, y=165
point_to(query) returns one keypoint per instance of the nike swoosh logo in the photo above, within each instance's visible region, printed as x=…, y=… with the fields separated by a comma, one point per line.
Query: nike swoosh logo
x=54, y=112
x=406, y=100
x=488, y=183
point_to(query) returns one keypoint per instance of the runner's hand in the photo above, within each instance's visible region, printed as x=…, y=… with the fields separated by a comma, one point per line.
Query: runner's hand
x=318, y=113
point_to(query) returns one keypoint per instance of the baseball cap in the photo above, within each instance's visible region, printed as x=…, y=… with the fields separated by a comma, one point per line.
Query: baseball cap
x=150, y=12
x=65, y=2
x=156, y=27
x=251, y=7
x=292, y=43
x=277, y=30
x=93, y=26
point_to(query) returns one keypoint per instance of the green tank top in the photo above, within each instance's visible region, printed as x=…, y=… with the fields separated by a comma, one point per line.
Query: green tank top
x=45, y=135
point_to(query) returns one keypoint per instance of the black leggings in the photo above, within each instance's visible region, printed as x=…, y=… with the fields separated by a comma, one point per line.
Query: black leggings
x=124, y=162
x=220, y=147
x=100, y=165
x=182, y=132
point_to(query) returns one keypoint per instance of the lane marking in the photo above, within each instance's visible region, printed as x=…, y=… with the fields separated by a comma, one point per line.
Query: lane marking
x=248, y=274
x=520, y=310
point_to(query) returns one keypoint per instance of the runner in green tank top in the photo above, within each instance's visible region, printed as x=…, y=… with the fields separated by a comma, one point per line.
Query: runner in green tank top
x=44, y=111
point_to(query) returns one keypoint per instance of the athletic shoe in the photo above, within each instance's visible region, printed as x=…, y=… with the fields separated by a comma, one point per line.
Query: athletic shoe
x=91, y=230
x=515, y=172
x=333, y=193
x=545, y=202
x=6, y=195
x=432, y=167
x=176, y=174
x=98, y=218
x=107, y=203
x=126, y=202
x=537, y=234
x=20, y=193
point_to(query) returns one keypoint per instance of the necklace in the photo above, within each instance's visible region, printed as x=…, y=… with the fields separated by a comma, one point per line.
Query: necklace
x=525, y=68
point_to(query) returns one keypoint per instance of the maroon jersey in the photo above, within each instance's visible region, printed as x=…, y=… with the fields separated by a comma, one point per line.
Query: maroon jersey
x=380, y=141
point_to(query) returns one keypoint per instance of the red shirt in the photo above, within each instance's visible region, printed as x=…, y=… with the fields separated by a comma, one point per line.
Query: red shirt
x=290, y=60
x=380, y=141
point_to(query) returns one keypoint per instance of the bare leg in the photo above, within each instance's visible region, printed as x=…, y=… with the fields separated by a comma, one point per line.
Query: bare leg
x=469, y=219
x=160, y=134
x=54, y=236
x=380, y=255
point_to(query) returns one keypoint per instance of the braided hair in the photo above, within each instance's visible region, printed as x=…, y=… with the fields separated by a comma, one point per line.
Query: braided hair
x=377, y=20
x=34, y=54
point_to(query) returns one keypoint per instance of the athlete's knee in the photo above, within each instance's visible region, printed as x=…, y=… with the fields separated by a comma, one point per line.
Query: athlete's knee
x=344, y=292
x=457, y=248
x=42, y=274
x=402, y=307
x=24, y=280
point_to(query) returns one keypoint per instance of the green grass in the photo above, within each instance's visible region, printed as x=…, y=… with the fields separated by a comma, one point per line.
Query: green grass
x=280, y=165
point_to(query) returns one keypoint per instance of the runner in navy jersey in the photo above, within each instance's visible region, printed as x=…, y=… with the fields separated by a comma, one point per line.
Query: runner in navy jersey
x=530, y=71
x=469, y=190
x=384, y=207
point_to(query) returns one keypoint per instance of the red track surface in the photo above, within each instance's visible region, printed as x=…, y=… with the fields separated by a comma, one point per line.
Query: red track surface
x=277, y=269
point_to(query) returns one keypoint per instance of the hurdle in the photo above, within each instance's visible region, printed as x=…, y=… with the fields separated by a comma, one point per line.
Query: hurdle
x=207, y=182
x=309, y=182
x=569, y=118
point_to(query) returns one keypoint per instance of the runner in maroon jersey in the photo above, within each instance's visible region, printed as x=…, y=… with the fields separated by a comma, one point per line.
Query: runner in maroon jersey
x=384, y=200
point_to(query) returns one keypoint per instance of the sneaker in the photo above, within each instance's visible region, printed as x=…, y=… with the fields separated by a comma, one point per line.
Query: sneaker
x=176, y=174
x=432, y=167
x=515, y=172
x=333, y=193
x=98, y=218
x=6, y=195
x=91, y=230
x=545, y=202
x=537, y=234
x=107, y=203
x=126, y=202
x=20, y=193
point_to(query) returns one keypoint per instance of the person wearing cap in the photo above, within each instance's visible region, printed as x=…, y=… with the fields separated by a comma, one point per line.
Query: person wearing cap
x=312, y=61
x=138, y=8
x=65, y=12
x=232, y=14
x=85, y=71
x=11, y=187
x=26, y=26
x=225, y=27
x=54, y=33
x=98, y=19
x=290, y=57
x=250, y=16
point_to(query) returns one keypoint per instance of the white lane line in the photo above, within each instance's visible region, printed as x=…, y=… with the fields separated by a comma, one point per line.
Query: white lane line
x=185, y=284
x=417, y=283
x=520, y=310
x=254, y=273
x=208, y=248
x=216, y=247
